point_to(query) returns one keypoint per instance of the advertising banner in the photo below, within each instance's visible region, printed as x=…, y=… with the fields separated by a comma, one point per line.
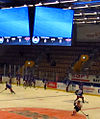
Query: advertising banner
x=85, y=78
x=52, y=85
x=79, y=77
x=61, y=86
x=89, y=89
x=39, y=83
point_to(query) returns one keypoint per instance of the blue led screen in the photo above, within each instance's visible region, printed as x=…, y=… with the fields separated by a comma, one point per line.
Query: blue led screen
x=14, y=22
x=53, y=22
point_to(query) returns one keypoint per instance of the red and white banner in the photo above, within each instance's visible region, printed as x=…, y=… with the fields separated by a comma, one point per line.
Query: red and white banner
x=80, y=77
x=52, y=84
x=84, y=78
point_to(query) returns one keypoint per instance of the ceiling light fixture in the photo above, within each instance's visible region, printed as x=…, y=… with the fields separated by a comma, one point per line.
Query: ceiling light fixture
x=69, y=8
x=98, y=17
x=93, y=13
x=25, y=5
x=49, y=3
x=89, y=22
x=81, y=7
x=94, y=21
x=85, y=18
x=67, y=1
x=30, y=5
x=78, y=14
x=5, y=8
x=39, y=4
x=79, y=22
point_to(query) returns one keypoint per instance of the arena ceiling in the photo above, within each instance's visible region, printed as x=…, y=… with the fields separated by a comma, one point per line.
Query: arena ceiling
x=86, y=11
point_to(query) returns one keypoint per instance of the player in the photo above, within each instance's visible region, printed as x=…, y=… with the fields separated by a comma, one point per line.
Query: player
x=18, y=79
x=79, y=94
x=10, y=78
x=67, y=85
x=77, y=107
x=8, y=86
x=45, y=84
x=33, y=82
x=25, y=80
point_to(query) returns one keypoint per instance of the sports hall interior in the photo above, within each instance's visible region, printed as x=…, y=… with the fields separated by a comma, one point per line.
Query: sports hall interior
x=69, y=65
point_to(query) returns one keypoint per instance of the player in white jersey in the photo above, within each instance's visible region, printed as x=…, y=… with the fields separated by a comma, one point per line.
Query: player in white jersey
x=79, y=94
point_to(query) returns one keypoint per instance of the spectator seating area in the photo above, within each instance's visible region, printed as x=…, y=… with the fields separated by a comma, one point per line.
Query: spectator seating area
x=51, y=62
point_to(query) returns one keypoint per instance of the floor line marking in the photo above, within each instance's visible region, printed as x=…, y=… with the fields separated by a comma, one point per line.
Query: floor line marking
x=91, y=108
x=34, y=98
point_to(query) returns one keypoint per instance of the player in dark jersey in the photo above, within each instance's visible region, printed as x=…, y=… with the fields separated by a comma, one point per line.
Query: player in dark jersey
x=79, y=94
x=25, y=80
x=8, y=86
x=18, y=79
x=33, y=82
x=77, y=107
x=45, y=84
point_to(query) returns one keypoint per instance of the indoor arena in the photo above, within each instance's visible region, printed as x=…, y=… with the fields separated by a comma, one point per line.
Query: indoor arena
x=49, y=59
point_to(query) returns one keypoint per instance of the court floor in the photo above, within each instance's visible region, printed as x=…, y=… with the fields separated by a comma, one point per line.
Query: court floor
x=37, y=103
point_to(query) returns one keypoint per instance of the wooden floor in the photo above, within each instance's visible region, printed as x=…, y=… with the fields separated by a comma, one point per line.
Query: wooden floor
x=54, y=104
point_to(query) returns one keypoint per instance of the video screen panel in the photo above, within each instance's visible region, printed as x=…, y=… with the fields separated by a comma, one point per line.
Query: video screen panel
x=14, y=26
x=52, y=26
x=88, y=33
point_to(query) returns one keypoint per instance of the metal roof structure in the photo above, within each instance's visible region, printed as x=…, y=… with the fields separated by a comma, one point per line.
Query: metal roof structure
x=85, y=11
